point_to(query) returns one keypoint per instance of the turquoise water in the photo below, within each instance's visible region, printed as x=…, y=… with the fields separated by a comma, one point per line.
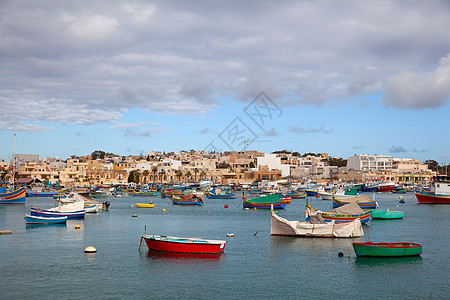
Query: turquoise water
x=44, y=262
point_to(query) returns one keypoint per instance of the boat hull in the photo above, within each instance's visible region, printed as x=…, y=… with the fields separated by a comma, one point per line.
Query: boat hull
x=431, y=198
x=378, y=214
x=387, y=249
x=45, y=220
x=343, y=218
x=14, y=197
x=183, y=245
x=385, y=188
x=54, y=214
x=187, y=202
x=145, y=205
x=364, y=205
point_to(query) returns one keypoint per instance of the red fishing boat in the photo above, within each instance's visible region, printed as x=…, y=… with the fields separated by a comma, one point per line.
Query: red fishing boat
x=385, y=187
x=183, y=245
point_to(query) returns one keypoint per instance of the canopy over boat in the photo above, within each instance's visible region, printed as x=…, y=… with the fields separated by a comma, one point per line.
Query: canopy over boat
x=316, y=227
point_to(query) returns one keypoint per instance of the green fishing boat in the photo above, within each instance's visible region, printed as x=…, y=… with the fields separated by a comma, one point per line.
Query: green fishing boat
x=387, y=249
x=379, y=214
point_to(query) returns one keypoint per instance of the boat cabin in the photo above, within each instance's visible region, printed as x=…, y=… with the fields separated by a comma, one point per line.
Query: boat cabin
x=440, y=185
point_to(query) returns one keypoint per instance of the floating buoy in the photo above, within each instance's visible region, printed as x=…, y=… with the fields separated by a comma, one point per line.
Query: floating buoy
x=164, y=209
x=340, y=254
x=77, y=226
x=225, y=206
x=114, y=198
x=134, y=216
x=230, y=234
x=5, y=232
x=254, y=208
x=246, y=208
x=90, y=249
x=276, y=211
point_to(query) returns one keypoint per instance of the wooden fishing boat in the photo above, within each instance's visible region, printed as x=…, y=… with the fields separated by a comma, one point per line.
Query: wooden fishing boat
x=387, y=249
x=145, y=205
x=398, y=190
x=189, y=199
x=219, y=194
x=379, y=214
x=363, y=201
x=385, y=187
x=296, y=194
x=45, y=220
x=170, y=193
x=41, y=194
x=144, y=193
x=439, y=192
x=315, y=227
x=13, y=197
x=264, y=202
x=340, y=194
x=55, y=214
x=346, y=213
x=183, y=245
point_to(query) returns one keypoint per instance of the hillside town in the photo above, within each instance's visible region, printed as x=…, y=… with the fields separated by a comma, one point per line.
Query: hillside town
x=228, y=168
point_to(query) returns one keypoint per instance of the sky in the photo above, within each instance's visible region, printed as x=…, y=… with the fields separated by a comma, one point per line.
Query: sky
x=130, y=77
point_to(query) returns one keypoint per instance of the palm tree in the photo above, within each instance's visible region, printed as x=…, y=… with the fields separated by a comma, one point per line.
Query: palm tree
x=161, y=174
x=179, y=173
x=195, y=174
x=202, y=174
x=188, y=174
x=145, y=173
x=154, y=170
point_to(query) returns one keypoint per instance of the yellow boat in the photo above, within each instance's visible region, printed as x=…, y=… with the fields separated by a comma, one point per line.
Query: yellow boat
x=145, y=205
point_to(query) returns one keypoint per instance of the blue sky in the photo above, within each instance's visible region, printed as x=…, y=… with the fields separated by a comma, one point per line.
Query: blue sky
x=344, y=78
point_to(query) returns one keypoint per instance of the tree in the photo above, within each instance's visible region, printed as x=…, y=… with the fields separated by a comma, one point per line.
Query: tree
x=134, y=176
x=202, y=174
x=195, y=174
x=154, y=170
x=179, y=173
x=145, y=173
x=334, y=161
x=432, y=164
x=161, y=174
x=188, y=174
x=98, y=154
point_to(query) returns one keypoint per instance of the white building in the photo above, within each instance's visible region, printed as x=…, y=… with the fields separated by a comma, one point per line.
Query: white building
x=365, y=162
x=273, y=163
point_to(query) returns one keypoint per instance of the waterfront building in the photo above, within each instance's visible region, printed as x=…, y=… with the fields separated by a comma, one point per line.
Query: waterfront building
x=365, y=162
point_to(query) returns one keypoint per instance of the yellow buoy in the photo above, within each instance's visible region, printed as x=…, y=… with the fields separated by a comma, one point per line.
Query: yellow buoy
x=77, y=226
x=134, y=216
x=164, y=209
x=254, y=208
x=90, y=249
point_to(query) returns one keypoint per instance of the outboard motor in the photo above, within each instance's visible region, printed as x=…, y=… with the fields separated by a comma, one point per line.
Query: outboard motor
x=107, y=204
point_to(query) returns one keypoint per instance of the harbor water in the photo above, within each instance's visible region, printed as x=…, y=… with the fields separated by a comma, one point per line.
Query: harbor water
x=48, y=261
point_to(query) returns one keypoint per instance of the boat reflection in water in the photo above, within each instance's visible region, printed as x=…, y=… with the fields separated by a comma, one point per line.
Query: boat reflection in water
x=184, y=257
x=386, y=261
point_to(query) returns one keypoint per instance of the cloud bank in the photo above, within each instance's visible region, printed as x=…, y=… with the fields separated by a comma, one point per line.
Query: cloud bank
x=89, y=62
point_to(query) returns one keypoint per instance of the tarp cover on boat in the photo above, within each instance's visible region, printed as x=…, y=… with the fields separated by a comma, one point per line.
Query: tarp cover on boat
x=359, y=199
x=348, y=209
x=281, y=226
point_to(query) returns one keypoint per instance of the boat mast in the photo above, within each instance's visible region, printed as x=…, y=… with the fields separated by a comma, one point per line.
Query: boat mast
x=14, y=159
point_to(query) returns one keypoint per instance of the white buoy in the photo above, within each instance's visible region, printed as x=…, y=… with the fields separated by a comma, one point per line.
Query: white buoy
x=230, y=234
x=90, y=249
x=246, y=208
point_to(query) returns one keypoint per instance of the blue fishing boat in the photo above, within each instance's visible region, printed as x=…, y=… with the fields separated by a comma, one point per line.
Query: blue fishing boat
x=346, y=213
x=219, y=194
x=13, y=197
x=45, y=220
x=296, y=194
x=79, y=214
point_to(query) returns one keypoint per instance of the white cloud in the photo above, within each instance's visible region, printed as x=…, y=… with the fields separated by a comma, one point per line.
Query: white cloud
x=418, y=90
